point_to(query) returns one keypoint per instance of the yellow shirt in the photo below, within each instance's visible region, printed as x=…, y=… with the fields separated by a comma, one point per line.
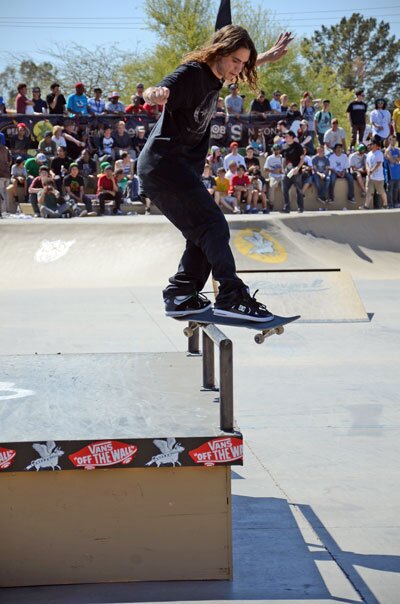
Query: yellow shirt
x=396, y=119
x=222, y=185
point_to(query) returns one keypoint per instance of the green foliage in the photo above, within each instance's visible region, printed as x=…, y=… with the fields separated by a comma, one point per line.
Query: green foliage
x=360, y=51
x=28, y=72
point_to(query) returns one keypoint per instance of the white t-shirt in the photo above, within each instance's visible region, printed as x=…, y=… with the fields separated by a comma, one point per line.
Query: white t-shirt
x=239, y=159
x=338, y=163
x=382, y=118
x=273, y=163
x=60, y=142
x=357, y=161
x=373, y=157
x=333, y=137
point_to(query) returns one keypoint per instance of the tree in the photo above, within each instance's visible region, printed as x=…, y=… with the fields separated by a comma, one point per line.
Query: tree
x=30, y=73
x=360, y=51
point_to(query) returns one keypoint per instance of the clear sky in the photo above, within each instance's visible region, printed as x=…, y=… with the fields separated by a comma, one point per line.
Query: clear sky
x=27, y=27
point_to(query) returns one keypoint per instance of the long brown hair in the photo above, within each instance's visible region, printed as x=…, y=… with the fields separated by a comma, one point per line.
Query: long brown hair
x=224, y=42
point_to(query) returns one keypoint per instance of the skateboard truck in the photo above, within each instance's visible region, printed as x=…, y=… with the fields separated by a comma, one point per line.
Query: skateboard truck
x=267, y=333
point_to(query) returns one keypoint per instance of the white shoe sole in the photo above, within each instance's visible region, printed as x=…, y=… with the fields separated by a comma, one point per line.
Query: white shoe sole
x=219, y=312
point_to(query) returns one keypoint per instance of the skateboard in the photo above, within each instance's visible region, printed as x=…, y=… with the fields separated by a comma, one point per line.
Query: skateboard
x=265, y=328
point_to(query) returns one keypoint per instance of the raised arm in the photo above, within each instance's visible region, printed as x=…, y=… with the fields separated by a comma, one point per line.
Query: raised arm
x=277, y=51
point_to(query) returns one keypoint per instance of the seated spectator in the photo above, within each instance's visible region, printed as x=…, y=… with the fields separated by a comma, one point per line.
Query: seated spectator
x=5, y=173
x=19, y=177
x=208, y=180
x=33, y=165
x=88, y=170
x=77, y=104
x=215, y=160
x=375, y=176
x=260, y=106
x=322, y=121
x=392, y=155
x=292, y=163
x=250, y=159
x=275, y=102
x=234, y=155
x=356, y=112
x=234, y=103
x=107, y=189
x=122, y=140
x=96, y=105
x=321, y=174
x=22, y=103
x=132, y=190
x=106, y=143
x=36, y=187
x=121, y=180
x=140, y=92
x=380, y=120
x=59, y=167
x=274, y=170
x=241, y=189
x=293, y=112
x=306, y=172
x=305, y=137
x=74, y=145
x=284, y=100
x=358, y=170
x=139, y=140
x=39, y=105
x=56, y=100
x=126, y=164
x=257, y=190
x=257, y=140
x=3, y=108
x=21, y=142
x=58, y=137
x=221, y=193
x=334, y=136
x=114, y=105
x=47, y=146
x=52, y=204
x=136, y=106
x=74, y=192
x=339, y=163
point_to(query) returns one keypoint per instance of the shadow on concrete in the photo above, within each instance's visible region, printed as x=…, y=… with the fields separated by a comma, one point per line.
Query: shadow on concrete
x=272, y=561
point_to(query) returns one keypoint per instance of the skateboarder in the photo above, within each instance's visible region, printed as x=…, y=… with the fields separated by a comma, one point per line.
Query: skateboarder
x=172, y=161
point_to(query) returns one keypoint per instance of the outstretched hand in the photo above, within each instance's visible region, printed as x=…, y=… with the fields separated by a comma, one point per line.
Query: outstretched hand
x=277, y=51
x=157, y=95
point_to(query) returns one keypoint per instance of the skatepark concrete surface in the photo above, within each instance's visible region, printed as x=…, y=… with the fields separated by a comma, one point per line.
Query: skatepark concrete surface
x=316, y=504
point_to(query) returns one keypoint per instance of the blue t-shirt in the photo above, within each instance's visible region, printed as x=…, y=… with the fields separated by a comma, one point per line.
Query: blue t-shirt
x=78, y=103
x=394, y=169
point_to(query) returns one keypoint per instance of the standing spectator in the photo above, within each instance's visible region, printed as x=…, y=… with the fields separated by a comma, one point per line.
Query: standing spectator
x=241, y=189
x=322, y=121
x=284, y=103
x=392, y=155
x=5, y=173
x=356, y=112
x=293, y=112
x=3, y=108
x=396, y=120
x=339, y=163
x=59, y=167
x=114, y=105
x=321, y=174
x=122, y=140
x=235, y=156
x=308, y=109
x=274, y=170
x=139, y=92
x=107, y=189
x=334, y=136
x=260, y=106
x=292, y=164
x=221, y=195
x=22, y=103
x=136, y=107
x=220, y=111
x=21, y=142
x=358, y=170
x=19, y=177
x=74, y=192
x=306, y=172
x=215, y=160
x=56, y=100
x=139, y=140
x=380, y=120
x=234, y=102
x=47, y=145
x=96, y=105
x=77, y=104
x=375, y=176
x=88, y=169
x=275, y=102
x=39, y=105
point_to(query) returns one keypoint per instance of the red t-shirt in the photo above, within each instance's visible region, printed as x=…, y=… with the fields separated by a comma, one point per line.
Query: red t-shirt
x=105, y=183
x=150, y=110
x=134, y=109
x=239, y=181
x=20, y=103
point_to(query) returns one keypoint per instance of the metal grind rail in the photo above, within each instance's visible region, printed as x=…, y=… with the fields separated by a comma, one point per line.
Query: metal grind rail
x=211, y=336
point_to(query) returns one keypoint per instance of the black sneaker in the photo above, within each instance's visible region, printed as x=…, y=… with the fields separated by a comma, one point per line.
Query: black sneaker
x=247, y=308
x=193, y=304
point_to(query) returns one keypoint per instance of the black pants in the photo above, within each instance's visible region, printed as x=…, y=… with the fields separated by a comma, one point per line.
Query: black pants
x=103, y=197
x=202, y=223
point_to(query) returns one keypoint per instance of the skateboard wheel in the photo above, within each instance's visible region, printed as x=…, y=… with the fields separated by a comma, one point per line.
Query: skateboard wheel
x=188, y=331
x=259, y=338
x=280, y=330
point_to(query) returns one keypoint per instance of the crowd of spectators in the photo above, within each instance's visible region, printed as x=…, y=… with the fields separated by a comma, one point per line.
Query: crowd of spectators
x=70, y=176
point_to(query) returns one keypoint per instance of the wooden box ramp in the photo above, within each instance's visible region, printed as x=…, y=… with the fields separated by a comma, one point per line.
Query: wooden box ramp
x=328, y=296
x=112, y=468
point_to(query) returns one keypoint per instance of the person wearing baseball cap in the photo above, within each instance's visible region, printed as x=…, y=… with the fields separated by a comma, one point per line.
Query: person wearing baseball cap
x=140, y=92
x=234, y=155
x=33, y=164
x=114, y=105
x=21, y=142
x=234, y=103
x=77, y=104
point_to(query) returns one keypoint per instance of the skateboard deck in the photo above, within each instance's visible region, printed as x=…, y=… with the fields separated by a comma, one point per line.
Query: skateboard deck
x=265, y=328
